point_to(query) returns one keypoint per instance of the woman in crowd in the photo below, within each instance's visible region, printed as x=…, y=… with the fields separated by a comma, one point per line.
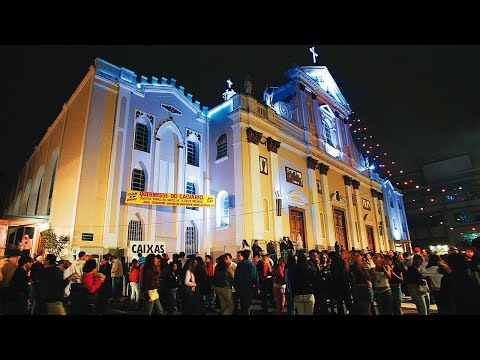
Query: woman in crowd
x=381, y=275
x=290, y=285
x=172, y=286
x=245, y=245
x=91, y=281
x=303, y=278
x=417, y=286
x=223, y=282
x=150, y=282
x=134, y=277
x=434, y=272
x=362, y=285
x=279, y=285
x=265, y=273
x=396, y=283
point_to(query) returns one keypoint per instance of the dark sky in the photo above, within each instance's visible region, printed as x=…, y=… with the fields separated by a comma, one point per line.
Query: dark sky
x=419, y=102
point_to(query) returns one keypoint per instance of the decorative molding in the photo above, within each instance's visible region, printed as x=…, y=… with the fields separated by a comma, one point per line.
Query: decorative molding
x=366, y=204
x=253, y=136
x=297, y=197
x=199, y=136
x=347, y=180
x=312, y=163
x=171, y=109
x=368, y=219
x=273, y=145
x=356, y=184
x=139, y=113
x=323, y=168
x=374, y=193
x=170, y=118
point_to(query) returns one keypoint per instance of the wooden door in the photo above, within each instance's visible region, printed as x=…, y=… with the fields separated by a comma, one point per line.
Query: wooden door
x=340, y=229
x=370, y=239
x=297, y=226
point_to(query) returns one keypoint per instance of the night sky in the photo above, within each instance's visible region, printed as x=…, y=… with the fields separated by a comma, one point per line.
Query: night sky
x=419, y=102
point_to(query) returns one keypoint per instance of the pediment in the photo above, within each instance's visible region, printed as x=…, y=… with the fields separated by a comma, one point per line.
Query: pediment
x=297, y=198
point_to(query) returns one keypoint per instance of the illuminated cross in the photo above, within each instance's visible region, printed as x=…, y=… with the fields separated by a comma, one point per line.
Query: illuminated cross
x=229, y=83
x=314, y=54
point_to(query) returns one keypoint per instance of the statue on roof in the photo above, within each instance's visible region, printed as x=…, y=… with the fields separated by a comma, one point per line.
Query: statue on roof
x=248, y=85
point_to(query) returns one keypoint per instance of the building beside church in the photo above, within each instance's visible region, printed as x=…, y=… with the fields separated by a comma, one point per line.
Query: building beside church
x=286, y=165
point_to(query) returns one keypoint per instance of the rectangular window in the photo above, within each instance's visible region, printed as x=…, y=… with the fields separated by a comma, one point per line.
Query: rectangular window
x=192, y=153
x=191, y=190
x=135, y=230
x=141, y=137
x=138, y=180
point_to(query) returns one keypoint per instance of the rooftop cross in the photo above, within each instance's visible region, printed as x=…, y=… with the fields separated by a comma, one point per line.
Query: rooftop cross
x=314, y=54
x=229, y=83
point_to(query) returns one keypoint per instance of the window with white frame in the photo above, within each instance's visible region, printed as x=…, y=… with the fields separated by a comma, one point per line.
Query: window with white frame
x=328, y=135
x=141, y=137
x=192, y=153
x=223, y=209
x=191, y=240
x=138, y=180
x=222, y=146
x=190, y=189
x=135, y=232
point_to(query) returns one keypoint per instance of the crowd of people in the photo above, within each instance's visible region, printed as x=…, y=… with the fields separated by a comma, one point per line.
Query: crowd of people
x=291, y=281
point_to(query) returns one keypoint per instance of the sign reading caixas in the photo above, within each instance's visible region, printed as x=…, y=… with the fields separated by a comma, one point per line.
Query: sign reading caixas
x=166, y=199
x=145, y=248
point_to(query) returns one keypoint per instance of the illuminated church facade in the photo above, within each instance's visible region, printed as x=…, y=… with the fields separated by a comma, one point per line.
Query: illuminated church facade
x=286, y=165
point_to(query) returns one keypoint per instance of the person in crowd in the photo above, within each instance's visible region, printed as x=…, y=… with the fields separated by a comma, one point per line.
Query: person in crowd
x=223, y=282
x=117, y=278
x=395, y=282
x=340, y=286
x=51, y=286
x=26, y=245
x=279, y=285
x=299, y=245
x=12, y=255
x=18, y=292
x=362, y=286
x=256, y=249
x=245, y=245
x=318, y=284
x=381, y=275
x=141, y=259
x=337, y=247
x=210, y=297
x=272, y=251
x=290, y=247
x=283, y=247
x=303, y=278
x=434, y=271
x=459, y=294
x=192, y=299
x=150, y=283
x=35, y=269
x=245, y=281
x=172, y=281
x=265, y=273
x=176, y=259
x=290, y=284
x=474, y=264
x=417, y=286
x=368, y=261
x=91, y=281
x=183, y=260
x=203, y=284
x=134, y=278
x=105, y=291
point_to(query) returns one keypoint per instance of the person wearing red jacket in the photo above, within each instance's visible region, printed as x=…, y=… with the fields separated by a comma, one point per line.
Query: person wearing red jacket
x=134, y=278
x=91, y=282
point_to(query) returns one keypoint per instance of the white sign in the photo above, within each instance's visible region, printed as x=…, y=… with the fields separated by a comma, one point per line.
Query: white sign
x=145, y=248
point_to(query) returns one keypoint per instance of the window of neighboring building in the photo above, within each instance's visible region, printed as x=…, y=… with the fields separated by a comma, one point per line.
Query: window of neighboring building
x=191, y=190
x=192, y=153
x=135, y=232
x=141, y=137
x=222, y=146
x=138, y=180
x=191, y=240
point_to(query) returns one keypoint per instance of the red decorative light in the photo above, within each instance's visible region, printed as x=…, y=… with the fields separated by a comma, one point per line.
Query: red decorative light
x=443, y=190
x=393, y=162
x=428, y=189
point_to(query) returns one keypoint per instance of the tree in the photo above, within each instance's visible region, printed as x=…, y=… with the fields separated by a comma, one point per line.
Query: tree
x=53, y=243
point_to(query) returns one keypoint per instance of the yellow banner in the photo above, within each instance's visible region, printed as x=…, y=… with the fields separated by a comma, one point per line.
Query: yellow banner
x=166, y=199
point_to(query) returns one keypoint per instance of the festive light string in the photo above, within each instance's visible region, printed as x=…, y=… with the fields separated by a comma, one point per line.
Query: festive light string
x=203, y=219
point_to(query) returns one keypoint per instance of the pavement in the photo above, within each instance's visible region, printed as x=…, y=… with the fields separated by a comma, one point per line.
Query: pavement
x=124, y=308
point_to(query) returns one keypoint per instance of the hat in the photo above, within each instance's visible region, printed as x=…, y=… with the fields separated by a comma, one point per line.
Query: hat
x=24, y=259
x=68, y=257
x=12, y=251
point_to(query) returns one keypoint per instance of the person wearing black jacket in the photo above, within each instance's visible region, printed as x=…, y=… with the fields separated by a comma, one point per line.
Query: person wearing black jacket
x=172, y=281
x=18, y=291
x=303, y=278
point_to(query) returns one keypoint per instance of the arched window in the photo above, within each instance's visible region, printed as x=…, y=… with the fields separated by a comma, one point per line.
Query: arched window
x=38, y=197
x=266, y=216
x=138, y=180
x=135, y=231
x=52, y=183
x=222, y=146
x=191, y=190
x=191, y=239
x=192, y=153
x=26, y=195
x=16, y=207
x=223, y=209
x=141, y=137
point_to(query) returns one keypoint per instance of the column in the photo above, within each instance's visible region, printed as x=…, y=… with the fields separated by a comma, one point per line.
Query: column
x=272, y=146
x=386, y=238
x=378, y=219
x=180, y=215
x=312, y=164
x=253, y=138
x=327, y=203
x=361, y=225
x=351, y=212
x=238, y=211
